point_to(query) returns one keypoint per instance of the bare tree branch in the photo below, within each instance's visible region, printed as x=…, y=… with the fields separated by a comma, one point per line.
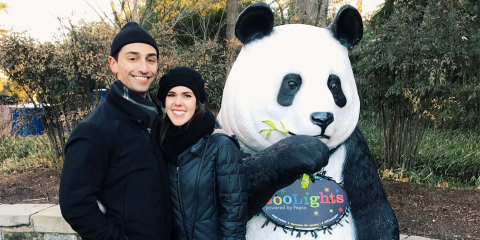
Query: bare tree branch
x=135, y=9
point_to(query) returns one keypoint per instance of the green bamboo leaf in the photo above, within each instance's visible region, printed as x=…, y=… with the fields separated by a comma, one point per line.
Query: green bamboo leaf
x=270, y=123
x=263, y=130
x=284, y=129
x=268, y=134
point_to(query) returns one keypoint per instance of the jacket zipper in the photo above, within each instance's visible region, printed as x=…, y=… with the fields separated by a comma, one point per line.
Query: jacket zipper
x=124, y=208
x=196, y=185
x=152, y=141
x=179, y=196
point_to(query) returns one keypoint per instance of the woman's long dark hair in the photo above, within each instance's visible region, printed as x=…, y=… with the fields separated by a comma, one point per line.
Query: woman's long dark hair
x=166, y=122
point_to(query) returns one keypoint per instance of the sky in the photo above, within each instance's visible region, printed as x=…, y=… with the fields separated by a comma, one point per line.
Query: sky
x=39, y=17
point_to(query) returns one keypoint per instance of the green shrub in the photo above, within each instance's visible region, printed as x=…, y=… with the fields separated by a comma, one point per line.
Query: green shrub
x=370, y=129
x=451, y=156
x=20, y=153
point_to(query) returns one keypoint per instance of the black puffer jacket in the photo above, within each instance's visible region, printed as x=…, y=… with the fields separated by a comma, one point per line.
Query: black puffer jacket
x=208, y=190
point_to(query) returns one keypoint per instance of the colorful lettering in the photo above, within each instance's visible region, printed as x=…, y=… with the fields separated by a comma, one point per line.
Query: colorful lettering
x=313, y=201
x=289, y=199
x=324, y=198
x=295, y=199
x=339, y=198
x=279, y=200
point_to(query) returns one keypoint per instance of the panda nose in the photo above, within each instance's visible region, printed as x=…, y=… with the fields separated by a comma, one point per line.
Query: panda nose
x=322, y=119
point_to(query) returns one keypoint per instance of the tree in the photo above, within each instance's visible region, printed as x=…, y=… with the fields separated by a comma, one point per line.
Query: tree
x=232, y=42
x=359, y=5
x=31, y=65
x=310, y=11
x=60, y=76
x=418, y=66
x=232, y=15
x=129, y=10
x=3, y=6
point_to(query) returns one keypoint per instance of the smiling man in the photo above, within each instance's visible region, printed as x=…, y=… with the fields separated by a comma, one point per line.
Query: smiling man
x=112, y=156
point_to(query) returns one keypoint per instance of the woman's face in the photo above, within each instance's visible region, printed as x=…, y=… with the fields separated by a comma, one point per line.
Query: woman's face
x=180, y=105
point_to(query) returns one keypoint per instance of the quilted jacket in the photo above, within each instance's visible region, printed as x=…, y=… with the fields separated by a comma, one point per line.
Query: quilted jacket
x=208, y=190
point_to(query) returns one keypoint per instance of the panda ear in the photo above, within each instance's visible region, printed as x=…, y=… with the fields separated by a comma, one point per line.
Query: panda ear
x=255, y=22
x=347, y=27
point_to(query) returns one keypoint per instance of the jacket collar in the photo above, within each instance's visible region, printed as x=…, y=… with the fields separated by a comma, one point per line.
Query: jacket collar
x=199, y=146
x=127, y=108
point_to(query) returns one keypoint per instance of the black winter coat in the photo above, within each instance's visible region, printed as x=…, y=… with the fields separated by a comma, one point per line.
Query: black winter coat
x=209, y=190
x=112, y=157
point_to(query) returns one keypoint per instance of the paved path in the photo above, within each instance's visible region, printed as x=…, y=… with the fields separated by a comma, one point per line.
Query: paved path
x=410, y=237
x=46, y=218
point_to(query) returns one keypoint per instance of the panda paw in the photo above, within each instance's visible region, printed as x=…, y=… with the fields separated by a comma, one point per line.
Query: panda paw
x=280, y=165
x=301, y=154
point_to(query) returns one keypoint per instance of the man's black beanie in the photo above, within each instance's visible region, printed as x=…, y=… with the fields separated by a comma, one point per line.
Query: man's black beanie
x=131, y=32
x=182, y=76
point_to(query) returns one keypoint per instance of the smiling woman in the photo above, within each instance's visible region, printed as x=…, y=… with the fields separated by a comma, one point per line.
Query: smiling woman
x=202, y=165
x=180, y=105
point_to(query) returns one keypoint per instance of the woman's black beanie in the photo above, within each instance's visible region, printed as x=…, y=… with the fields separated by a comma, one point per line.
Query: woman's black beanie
x=182, y=76
x=131, y=32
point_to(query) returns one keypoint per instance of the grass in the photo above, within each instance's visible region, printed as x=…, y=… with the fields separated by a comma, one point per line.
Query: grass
x=20, y=153
x=449, y=158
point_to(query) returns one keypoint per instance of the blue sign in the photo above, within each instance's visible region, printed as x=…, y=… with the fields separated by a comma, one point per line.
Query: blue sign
x=319, y=206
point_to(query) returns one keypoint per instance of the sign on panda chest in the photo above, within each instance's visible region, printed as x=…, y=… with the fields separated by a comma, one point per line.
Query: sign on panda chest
x=323, y=204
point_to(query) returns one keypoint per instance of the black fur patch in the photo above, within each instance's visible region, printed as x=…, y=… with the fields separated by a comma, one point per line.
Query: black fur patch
x=347, y=27
x=371, y=212
x=255, y=22
x=290, y=86
x=335, y=86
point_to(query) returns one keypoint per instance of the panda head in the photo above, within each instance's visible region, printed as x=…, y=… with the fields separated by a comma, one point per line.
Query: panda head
x=298, y=75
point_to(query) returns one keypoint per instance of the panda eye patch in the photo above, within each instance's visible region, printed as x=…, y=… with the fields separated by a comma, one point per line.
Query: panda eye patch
x=335, y=86
x=291, y=83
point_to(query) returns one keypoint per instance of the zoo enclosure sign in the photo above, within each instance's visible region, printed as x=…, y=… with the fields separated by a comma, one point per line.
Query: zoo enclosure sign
x=319, y=206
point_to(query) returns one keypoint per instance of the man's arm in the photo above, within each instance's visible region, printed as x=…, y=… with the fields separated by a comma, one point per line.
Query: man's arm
x=86, y=162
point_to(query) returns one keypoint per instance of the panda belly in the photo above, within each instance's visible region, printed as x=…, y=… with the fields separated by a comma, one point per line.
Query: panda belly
x=338, y=232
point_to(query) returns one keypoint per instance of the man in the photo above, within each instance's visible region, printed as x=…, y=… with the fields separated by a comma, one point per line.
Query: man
x=112, y=155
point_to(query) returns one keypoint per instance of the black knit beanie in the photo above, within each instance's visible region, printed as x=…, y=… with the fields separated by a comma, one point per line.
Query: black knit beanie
x=182, y=76
x=131, y=33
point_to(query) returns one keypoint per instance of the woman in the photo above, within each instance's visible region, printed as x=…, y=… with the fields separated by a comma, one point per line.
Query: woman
x=207, y=177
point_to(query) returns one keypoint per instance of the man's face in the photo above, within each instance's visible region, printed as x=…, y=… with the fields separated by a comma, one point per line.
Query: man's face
x=136, y=66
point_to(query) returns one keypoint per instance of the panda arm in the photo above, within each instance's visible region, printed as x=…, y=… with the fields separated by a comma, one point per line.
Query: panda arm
x=373, y=215
x=279, y=166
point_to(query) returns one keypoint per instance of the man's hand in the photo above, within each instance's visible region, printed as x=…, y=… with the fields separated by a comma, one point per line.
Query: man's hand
x=280, y=165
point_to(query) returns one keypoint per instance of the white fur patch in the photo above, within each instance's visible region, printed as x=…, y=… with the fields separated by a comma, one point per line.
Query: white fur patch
x=335, y=164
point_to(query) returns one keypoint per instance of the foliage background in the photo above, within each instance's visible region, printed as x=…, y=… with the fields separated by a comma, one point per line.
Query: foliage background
x=417, y=71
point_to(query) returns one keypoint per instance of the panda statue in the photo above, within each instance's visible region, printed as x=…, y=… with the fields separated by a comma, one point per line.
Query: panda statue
x=301, y=76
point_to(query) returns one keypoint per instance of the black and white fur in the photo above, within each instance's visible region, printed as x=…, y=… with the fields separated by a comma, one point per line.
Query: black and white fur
x=301, y=76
